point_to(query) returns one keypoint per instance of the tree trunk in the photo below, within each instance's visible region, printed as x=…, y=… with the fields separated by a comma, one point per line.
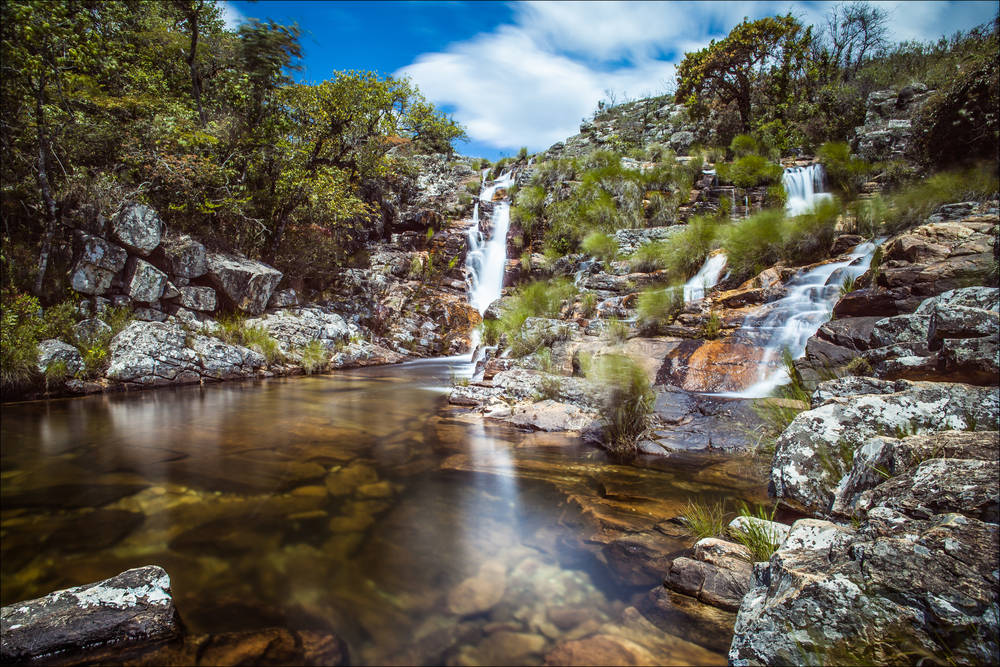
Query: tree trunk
x=46, y=190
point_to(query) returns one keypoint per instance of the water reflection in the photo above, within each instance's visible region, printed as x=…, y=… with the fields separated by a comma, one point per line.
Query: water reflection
x=355, y=503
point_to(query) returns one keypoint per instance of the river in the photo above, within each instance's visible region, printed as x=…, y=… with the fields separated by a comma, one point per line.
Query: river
x=356, y=502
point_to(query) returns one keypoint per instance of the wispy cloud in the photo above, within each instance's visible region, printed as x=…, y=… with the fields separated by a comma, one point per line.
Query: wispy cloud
x=530, y=82
x=231, y=15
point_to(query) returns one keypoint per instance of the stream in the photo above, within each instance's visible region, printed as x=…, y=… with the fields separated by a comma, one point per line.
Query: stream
x=354, y=502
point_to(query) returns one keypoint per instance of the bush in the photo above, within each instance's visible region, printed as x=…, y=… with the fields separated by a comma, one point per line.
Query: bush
x=751, y=171
x=601, y=246
x=761, y=540
x=491, y=330
x=617, y=331
x=846, y=172
x=912, y=206
x=234, y=330
x=536, y=299
x=707, y=519
x=626, y=400
x=808, y=237
x=712, y=327
x=743, y=145
x=682, y=254
x=19, y=330
x=314, y=357
x=657, y=309
x=754, y=243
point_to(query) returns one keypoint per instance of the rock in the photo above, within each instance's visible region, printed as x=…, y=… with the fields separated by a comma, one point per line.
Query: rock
x=480, y=593
x=883, y=458
x=987, y=298
x=136, y=605
x=549, y=415
x=184, y=257
x=951, y=321
x=810, y=453
x=247, y=284
x=270, y=646
x=600, y=650
x=170, y=291
x=50, y=351
x=777, y=532
x=96, y=265
x=296, y=328
x=149, y=315
x=198, y=298
x=681, y=142
x=362, y=353
x=138, y=228
x=940, y=486
x=864, y=595
x=143, y=281
x=688, y=618
x=285, y=298
x=220, y=361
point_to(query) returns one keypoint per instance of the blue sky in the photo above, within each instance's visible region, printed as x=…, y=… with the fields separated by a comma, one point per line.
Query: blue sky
x=526, y=73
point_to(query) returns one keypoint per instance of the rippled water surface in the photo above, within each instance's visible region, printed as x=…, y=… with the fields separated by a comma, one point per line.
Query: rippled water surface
x=356, y=502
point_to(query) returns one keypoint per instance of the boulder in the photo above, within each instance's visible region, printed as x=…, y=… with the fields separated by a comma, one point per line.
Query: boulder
x=296, y=328
x=91, y=330
x=813, y=453
x=940, y=486
x=184, y=257
x=50, y=351
x=286, y=298
x=198, y=298
x=134, y=606
x=219, y=361
x=247, y=284
x=96, y=265
x=865, y=596
x=143, y=281
x=550, y=415
x=138, y=228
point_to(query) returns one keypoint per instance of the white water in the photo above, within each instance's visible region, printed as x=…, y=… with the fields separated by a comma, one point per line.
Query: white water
x=789, y=322
x=805, y=187
x=706, y=278
x=486, y=257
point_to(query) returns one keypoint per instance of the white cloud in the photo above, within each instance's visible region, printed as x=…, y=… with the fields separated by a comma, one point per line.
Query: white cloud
x=231, y=15
x=530, y=83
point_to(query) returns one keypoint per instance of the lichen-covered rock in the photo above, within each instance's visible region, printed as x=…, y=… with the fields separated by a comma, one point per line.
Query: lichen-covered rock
x=940, y=486
x=143, y=281
x=90, y=330
x=863, y=595
x=184, y=257
x=135, y=605
x=987, y=298
x=247, y=284
x=809, y=456
x=154, y=353
x=362, y=353
x=296, y=328
x=96, y=265
x=550, y=415
x=285, y=298
x=951, y=321
x=51, y=351
x=138, y=228
x=884, y=458
x=198, y=298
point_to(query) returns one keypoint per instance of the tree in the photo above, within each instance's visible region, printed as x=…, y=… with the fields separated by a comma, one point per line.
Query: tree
x=729, y=69
x=853, y=32
x=429, y=129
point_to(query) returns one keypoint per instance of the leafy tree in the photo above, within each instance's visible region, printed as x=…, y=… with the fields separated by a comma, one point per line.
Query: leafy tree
x=729, y=69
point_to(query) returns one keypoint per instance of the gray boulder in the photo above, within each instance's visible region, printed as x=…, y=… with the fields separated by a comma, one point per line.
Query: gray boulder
x=96, y=265
x=138, y=228
x=296, y=328
x=720, y=574
x=861, y=596
x=91, y=330
x=184, y=257
x=198, y=298
x=135, y=605
x=246, y=283
x=815, y=451
x=220, y=361
x=681, y=142
x=50, y=351
x=987, y=298
x=940, y=486
x=170, y=291
x=143, y=281
x=285, y=298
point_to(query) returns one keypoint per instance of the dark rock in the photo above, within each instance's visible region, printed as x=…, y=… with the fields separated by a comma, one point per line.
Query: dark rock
x=270, y=646
x=184, y=257
x=72, y=495
x=198, y=298
x=285, y=298
x=687, y=618
x=134, y=606
x=951, y=321
x=138, y=228
x=940, y=486
x=872, y=303
x=95, y=530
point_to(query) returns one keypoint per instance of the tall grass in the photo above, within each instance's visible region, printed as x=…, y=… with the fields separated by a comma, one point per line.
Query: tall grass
x=913, y=205
x=707, y=519
x=682, y=254
x=535, y=299
x=657, y=309
x=761, y=540
x=234, y=330
x=314, y=357
x=626, y=400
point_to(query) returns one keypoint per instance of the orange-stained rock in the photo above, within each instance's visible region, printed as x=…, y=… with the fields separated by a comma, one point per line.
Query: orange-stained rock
x=711, y=366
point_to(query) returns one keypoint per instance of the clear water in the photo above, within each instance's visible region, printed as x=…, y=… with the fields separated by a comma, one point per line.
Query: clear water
x=355, y=502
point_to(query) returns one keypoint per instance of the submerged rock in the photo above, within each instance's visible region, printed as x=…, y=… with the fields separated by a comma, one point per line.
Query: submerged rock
x=134, y=606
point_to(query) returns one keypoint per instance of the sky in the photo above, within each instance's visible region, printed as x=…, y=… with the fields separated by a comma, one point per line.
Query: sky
x=527, y=73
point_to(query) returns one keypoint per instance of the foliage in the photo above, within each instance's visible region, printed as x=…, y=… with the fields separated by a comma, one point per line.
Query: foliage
x=846, y=172
x=617, y=331
x=491, y=330
x=750, y=171
x=19, y=330
x=707, y=519
x=912, y=206
x=626, y=400
x=233, y=329
x=682, y=254
x=761, y=540
x=536, y=299
x=314, y=357
x=712, y=327
x=657, y=309
x=600, y=246
x=859, y=366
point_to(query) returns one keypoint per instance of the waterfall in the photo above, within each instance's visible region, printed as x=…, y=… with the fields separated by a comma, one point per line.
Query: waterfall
x=789, y=322
x=487, y=258
x=706, y=278
x=805, y=187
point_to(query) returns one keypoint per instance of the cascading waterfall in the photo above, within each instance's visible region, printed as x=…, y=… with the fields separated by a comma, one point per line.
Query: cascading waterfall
x=805, y=187
x=789, y=322
x=706, y=278
x=486, y=257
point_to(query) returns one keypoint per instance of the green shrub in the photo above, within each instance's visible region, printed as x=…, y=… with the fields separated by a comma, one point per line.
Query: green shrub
x=707, y=519
x=859, y=366
x=744, y=145
x=19, y=342
x=912, y=206
x=751, y=171
x=523, y=153
x=808, y=237
x=868, y=216
x=58, y=322
x=657, y=309
x=314, y=357
x=761, y=540
x=754, y=243
x=536, y=299
x=712, y=327
x=588, y=303
x=601, y=246
x=233, y=329
x=491, y=330
x=626, y=400
x=846, y=172
x=617, y=331
x=472, y=188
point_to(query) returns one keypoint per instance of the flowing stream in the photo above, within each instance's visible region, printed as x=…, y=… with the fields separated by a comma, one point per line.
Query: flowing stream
x=805, y=187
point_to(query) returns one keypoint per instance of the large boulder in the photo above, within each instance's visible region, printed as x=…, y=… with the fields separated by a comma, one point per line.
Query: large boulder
x=296, y=328
x=138, y=228
x=198, y=298
x=91, y=331
x=184, y=257
x=893, y=588
x=155, y=353
x=815, y=451
x=96, y=265
x=247, y=284
x=135, y=605
x=143, y=281
x=51, y=351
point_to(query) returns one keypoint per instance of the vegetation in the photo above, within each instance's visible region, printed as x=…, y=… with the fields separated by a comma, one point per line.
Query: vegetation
x=626, y=400
x=657, y=309
x=314, y=357
x=760, y=539
x=233, y=329
x=707, y=519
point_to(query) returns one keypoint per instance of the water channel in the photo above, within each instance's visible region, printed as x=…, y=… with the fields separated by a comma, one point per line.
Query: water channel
x=356, y=502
